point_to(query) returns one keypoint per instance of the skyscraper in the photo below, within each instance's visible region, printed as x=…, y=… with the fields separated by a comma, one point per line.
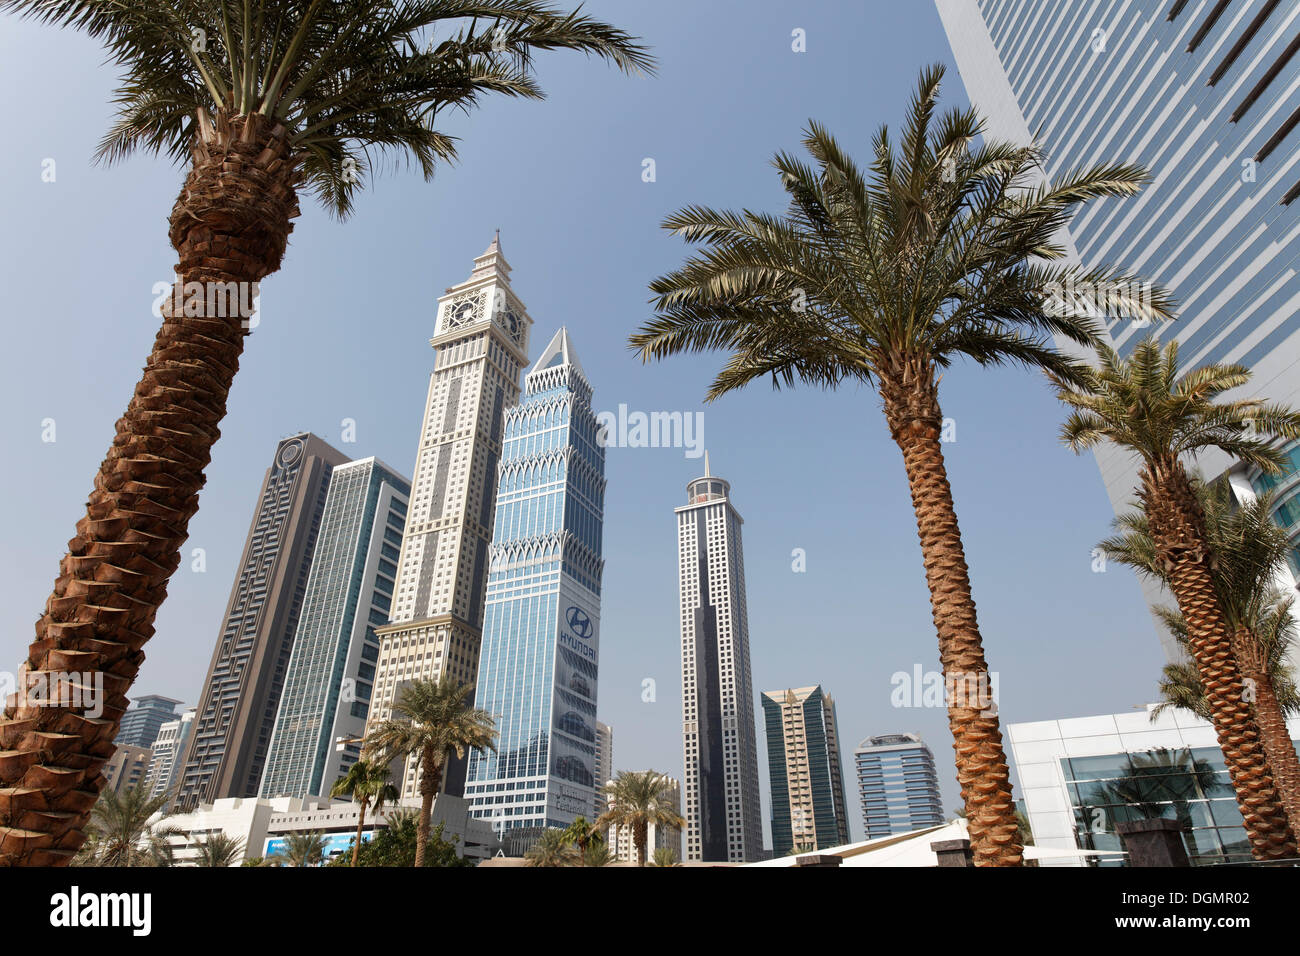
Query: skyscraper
x=604, y=765
x=541, y=632
x=141, y=723
x=1204, y=95
x=168, y=751
x=897, y=784
x=723, y=818
x=481, y=344
x=805, y=770
x=127, y=768
x=236, y=711
x=332, y=669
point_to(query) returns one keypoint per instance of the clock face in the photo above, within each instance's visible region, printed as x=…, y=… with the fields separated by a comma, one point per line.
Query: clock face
x=513, y=324
x=460, y=312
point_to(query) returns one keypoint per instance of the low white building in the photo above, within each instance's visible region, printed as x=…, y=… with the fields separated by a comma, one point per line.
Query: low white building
x=263, y=824
x=1081, y=775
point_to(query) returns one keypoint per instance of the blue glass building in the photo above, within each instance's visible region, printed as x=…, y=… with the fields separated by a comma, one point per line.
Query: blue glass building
x=897, y=784
x=541, y=628
x=1205, y=95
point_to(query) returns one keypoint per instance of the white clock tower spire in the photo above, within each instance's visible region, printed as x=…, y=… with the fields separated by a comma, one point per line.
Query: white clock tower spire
x=480, y=342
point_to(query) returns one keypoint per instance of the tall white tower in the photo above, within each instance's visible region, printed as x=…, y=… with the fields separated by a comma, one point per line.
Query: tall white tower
x=481, y=346
x=723, y=819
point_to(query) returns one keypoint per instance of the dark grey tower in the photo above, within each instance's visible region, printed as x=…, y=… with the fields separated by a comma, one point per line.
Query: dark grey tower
x=236, y=712
x=723, y=822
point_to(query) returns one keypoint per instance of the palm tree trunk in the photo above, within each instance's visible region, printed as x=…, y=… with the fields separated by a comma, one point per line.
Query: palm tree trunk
x=1279, y=748
x=910, y=395
x=640, y=834
x=430, y=784
x=361, y=826
x=422, y=833
x=1177, y=528
x=230, y=224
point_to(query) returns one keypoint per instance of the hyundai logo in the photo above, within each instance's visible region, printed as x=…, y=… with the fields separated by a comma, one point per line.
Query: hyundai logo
x=579, y=622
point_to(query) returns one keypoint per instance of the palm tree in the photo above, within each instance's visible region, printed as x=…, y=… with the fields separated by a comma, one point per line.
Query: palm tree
x=582, y=834
x=218, y=849
x=944, y=251
x=1249, y=550
x=1144, y=406
x=1026, y=831
x=638, y=799
x=437, y=720
x=300, y=849
x=261, y=99
x=1273, y=631
x=553, y=848
x=664, y=856
x=120, y=832
x=367, y=782
x=597, y=854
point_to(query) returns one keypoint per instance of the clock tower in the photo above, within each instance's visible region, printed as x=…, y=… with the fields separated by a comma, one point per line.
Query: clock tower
x=485, y=300
x=480, y=344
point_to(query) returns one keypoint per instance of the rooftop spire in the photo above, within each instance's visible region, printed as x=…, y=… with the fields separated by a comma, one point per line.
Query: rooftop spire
x=492, y=259
x=706, y=464
x=559, y=352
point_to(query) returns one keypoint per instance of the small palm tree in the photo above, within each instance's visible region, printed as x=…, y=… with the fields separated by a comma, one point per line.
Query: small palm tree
x=597, y=854
x=300, y=849
x=664, y=856
x=1148, y=408
x=1026, y=831
x=581, y=833
x=1249, y=550
x=435, y=720
x=218, y=849
x=944, y=251
x=260, y=99
x=553, y=848
x=638, y=799
x=368, y=783
x=120, y=832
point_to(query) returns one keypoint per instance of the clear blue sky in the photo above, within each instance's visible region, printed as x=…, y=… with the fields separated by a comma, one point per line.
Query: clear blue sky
x=344, y=334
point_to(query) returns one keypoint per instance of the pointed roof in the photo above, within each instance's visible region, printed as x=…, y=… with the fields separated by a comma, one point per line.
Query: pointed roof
x=559, y=352
x=492, y=260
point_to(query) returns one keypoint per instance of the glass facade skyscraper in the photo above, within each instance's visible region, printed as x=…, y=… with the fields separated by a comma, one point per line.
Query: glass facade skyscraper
x=539, y=658
x=142, y=722
x=898, y=785
x=1206, y=96
x=804, y=770
x=332, y=669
